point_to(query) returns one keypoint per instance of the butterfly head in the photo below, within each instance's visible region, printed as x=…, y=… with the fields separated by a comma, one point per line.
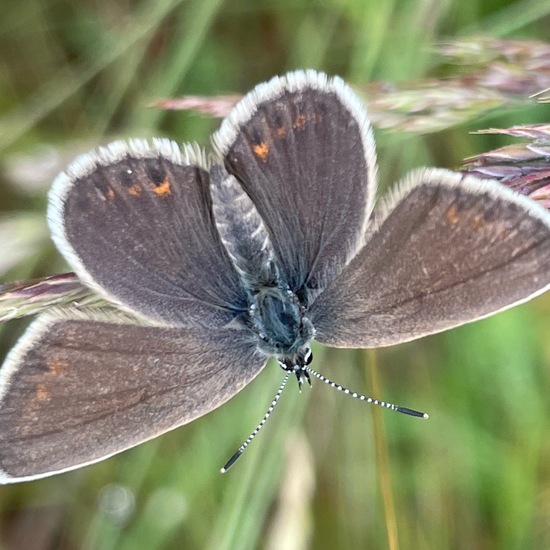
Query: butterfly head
x=297, y=364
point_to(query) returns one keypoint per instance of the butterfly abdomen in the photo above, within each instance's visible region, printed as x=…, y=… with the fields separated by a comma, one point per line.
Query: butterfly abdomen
x=242, y=231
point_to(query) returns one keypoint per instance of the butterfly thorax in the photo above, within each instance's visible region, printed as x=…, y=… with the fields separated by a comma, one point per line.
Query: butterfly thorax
x=279, y=320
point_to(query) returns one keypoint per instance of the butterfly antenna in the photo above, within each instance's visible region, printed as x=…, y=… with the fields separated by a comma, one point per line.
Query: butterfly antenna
x=242, y=448
x=391, y=406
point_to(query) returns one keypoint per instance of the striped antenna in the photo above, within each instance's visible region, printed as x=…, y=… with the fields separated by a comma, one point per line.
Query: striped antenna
x=242, y=448
x=391, y=406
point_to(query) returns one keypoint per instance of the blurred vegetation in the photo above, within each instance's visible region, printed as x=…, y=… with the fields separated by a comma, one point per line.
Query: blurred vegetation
x=327, y=471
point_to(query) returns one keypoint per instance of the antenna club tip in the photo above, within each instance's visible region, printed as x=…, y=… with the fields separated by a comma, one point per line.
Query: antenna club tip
x=223, y=470
x=425, y=416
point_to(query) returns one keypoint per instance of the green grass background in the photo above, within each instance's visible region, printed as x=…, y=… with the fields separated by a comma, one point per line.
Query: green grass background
x=327, y=472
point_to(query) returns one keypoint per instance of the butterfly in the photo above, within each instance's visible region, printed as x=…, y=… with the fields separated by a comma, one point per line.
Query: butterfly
x=217, y=262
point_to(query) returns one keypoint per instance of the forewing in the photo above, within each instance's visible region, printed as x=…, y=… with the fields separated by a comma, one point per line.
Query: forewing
x=78, y=389
x=135, y=223
x=302, y=148
x=450, y=250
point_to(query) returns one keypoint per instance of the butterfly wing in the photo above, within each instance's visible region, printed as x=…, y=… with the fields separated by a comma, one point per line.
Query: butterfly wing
x=449, y=250
x=302, y=148
x=79, y=388
x=134, y=221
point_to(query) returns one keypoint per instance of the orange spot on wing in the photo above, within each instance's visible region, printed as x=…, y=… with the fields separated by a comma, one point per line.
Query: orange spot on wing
x=42, y=393
x=280, y=132
x=261, y=150
x=163, y=189
x=452, y=215
x=56, y=368
x=476, y=221
x=299, y=121
x=110, y=194
x=495, y=229
x=135, y=190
